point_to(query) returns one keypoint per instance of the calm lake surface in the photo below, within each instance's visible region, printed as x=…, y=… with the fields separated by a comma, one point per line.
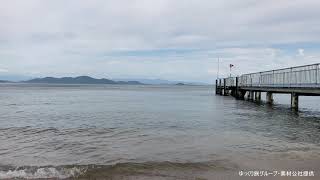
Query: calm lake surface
x=150, y=132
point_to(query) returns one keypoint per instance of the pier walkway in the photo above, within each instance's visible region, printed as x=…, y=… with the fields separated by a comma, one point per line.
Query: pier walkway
x=297, y=81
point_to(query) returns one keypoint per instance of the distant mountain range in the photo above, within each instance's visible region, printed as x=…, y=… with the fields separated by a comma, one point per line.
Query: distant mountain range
x=90, y=80
x=1, y=81
x=79, y=80
x=163, y=82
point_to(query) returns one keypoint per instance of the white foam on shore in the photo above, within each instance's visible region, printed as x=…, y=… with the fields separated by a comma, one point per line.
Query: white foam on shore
x=43, y=172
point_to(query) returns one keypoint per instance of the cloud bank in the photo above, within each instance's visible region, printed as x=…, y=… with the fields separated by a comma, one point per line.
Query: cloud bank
x=169, y=39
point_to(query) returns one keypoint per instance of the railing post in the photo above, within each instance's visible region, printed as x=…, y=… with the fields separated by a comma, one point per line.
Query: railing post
x=283, y=79
x=224, y=87
x=260, y=79
x=273, y=78
x=317, y=69
x=290, y=77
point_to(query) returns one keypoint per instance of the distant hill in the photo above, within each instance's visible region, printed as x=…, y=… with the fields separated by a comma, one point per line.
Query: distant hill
x=79, y=80
x=180, y=84
x=162, y=82
x=2, y=81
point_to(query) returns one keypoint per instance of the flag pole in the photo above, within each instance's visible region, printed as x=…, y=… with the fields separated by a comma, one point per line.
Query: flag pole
x=230, y=66
x=218, y=68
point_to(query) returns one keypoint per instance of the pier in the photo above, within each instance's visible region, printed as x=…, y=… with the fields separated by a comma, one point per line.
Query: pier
x=297, y=81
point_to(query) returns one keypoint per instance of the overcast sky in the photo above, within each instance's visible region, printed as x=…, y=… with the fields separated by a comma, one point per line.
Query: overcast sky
x=167, y=39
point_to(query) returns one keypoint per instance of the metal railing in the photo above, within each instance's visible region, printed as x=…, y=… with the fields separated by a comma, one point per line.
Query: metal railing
x=230, y=81
x=300, y=76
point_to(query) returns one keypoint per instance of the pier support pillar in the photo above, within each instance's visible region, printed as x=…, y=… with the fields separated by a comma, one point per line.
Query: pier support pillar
x=236, y=93
x=257, y=96
x=269, y=98
x=225, y=92
x=294, y=101
x=220, y=87
x=217, y=86
x=241, y=95
x=250, y=95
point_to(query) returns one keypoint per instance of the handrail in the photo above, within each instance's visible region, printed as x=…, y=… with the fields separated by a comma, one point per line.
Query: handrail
x=299, y=76
x=285, y=68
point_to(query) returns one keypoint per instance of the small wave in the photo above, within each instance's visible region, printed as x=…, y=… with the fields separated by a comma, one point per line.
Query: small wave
x=116, y=171
x=50, y=129
x=41, y=173
x=155, y=170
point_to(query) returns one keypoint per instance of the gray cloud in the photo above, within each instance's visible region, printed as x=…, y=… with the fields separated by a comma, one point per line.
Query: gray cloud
x=137, y=38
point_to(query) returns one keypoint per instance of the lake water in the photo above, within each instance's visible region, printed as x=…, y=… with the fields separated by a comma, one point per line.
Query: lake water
x=151, y=132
